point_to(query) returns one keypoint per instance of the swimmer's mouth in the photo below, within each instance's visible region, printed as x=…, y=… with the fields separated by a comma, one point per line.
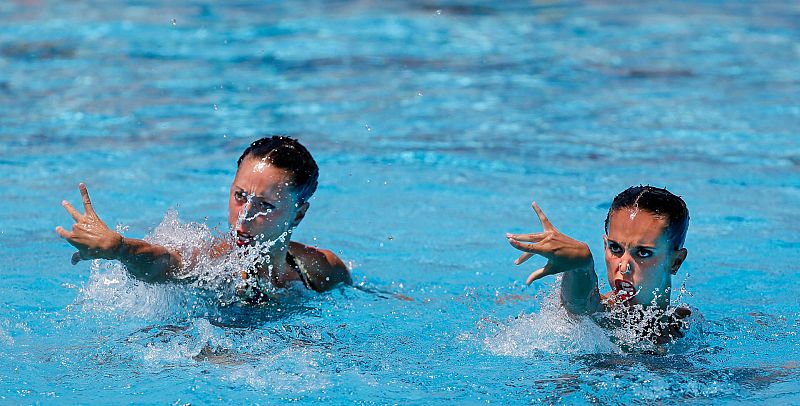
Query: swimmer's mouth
x=624, y=290
x=243, y=239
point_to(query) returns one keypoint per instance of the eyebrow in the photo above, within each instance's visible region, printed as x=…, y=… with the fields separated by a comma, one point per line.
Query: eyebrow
x=260, y=196
x=637, y=245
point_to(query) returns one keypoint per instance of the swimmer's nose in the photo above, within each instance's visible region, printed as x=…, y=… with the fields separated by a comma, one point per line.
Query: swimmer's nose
x=244, y=219
x=245, y=212
x=624, y=267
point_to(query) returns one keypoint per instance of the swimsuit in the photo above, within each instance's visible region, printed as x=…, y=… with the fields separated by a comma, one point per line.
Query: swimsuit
x=258, y=295
x=297, y=266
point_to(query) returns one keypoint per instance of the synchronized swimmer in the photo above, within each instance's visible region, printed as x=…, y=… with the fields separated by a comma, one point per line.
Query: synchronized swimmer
x=268, y=198
x=645, y=229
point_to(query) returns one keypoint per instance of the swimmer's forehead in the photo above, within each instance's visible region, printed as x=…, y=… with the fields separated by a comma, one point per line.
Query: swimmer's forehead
x=637, y=227
x=266, y=182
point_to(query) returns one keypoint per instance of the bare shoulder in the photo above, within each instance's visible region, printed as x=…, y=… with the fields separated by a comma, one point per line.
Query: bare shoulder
x=325, y=269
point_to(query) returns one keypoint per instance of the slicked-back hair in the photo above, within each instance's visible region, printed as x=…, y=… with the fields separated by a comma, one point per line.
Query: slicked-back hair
x=287, y=153
x=659, y=202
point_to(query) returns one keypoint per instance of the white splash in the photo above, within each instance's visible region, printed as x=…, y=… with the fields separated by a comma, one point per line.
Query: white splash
x=551, y=330
x=212, y=280
x=622, y=329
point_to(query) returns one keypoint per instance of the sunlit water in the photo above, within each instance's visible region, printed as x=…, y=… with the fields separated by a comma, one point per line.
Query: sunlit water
x=434, y=125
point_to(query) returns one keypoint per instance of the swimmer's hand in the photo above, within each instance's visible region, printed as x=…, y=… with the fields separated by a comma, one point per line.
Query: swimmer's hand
x=90, y=235
x=675, y=326
x=562, y=252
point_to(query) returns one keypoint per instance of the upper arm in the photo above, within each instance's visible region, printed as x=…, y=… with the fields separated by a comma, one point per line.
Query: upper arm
x=337, y=270
x=325, y=269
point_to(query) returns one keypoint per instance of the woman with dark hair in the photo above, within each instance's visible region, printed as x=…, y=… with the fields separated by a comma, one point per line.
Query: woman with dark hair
x=268, y=198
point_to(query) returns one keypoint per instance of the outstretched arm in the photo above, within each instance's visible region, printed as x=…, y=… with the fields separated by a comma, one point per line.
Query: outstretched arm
x=579, y=292
x=93, y=239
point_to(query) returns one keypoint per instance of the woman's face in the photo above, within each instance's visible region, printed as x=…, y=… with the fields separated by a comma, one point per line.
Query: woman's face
x=639, y=258
x=263, y=203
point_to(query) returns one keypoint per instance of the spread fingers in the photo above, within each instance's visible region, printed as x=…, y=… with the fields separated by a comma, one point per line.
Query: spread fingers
x=77, y=216
x=533, y=237
x=545, y=222
x=63, y=233
x=87, y=202
x=538, y=274
x=522, y=258
x=525, y=247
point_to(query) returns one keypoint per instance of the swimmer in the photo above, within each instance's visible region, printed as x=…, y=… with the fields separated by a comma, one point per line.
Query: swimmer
x=268, y=198
x=645, y=231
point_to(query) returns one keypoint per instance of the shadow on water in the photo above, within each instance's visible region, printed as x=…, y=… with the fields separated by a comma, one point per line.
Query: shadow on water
x=671, y=376
x=30, y=51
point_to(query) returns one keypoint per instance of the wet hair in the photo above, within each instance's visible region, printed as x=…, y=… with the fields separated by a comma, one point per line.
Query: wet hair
x=659, y=202
x=287, y=153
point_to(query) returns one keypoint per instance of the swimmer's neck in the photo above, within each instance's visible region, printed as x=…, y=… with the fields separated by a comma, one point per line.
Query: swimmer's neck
x=281, y=272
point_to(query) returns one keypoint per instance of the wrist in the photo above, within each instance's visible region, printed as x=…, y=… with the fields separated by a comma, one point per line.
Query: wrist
x=119, y=248
x=585, y=261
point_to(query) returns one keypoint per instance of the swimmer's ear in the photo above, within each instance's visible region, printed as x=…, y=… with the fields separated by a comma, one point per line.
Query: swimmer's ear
x=300, y=214
x=677, y=260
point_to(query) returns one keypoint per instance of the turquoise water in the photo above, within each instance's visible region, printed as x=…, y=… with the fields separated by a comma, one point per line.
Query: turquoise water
x=434, y=125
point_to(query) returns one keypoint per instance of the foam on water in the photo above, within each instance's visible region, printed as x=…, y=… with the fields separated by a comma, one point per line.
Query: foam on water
x=551, y=330
x=5, y=336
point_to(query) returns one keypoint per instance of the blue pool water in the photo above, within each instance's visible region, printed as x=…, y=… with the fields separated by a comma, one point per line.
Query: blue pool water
x=434, y=124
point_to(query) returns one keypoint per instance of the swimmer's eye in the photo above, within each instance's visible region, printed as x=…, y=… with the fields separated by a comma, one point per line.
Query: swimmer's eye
x=266, y=206
x=240, y=196
x=644, y=253
x=614, y=248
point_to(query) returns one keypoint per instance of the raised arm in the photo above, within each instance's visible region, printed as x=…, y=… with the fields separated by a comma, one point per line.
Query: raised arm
x=93, y=239
x=579, y=292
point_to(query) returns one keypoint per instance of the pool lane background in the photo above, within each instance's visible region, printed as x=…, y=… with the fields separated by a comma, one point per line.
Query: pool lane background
x=435, y=125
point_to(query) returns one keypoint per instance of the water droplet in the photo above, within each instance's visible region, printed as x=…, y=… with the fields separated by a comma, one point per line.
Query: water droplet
x=419, y=93
x=367, y=127
x=216, y=107
x=438, y=12
x=391, y=238
x=174, y=23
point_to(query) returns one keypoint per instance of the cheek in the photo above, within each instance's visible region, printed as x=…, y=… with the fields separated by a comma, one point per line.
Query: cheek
x=611, y=261
x=231, y=212
x=651, y=271
x=608, y=257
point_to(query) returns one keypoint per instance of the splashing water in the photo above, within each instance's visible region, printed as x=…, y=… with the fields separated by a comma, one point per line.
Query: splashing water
x=621, y=329
x=551, y=330
x=214, y=280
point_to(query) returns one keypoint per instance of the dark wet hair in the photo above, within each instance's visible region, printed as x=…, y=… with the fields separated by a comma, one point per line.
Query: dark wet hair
x=660, y=202
x=287, y=153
